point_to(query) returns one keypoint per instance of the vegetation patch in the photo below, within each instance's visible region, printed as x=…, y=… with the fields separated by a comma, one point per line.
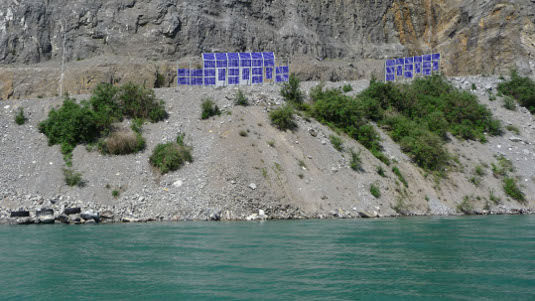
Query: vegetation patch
x=122, y=143
x=20, y=119
x=510, y=186
x=347, y=88
x=337, y=142
x=380, y=171
x=240, y=99
x=400, y=176
x=356, y=161
x=374, y=190
x=416, y=115
x=513, y=129
x=170, y=156
x=291, y=91
x=209, y=109
x=283, y=118
x=521, y=89
x=509, y=103
x=72, y=178
x=466, y=205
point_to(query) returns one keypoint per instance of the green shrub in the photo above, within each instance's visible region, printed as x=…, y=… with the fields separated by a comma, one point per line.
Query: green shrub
x=380, y=171
x=511, y=188
x=374, y=190
x=479, y=170
x=170, y=157
x=72, y=178
x=509, y=103
x=115, y=193
x=502, y=167
x=180, y=139
x=356, y=161
x=466, y=206
x=139, y=102
x=493, y=198
x=492, y=97
x=240, y=99
x=70, y=125
x=337, y=142
x=283, y=118
x=209, y=109
x=347, y=88
x=160, y=80
x=137, y=125
x=20, y=119
x=291, y=92
x=474, y=87
x=520, y=88
x=400, y=176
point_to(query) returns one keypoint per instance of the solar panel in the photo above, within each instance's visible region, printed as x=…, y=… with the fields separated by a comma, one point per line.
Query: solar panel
x=399, y=71
x=269, y=73
x=427, y=58
x=278, y=70
x=208, y=56
x=268, y=55
x=233, y=80
x=258, y=63
x=285, y=69
x=183, y=81
x=418, y=68
x=183, y=72
x=435, y=66
x=278, y=79
x=436, y=56
x=196, y=81
x=390, y=70
x=390, y=63
x=408, y=60
x=245, y=74
x=418, y=59
x=257, y=56
x=257, y=80
x=197, y=72
x=408, y=74
x=427, y=65
x=233, y=72
x=245, y=63
x=245, y=56
x=233, y=60
x=209, y=81
x=209, y=72
x=390, y=77
x=221, y=74
x=221, y=56
x=257, y=71
x=409, y=67
x=426, y=71
x=400, y=61
x=269, y=63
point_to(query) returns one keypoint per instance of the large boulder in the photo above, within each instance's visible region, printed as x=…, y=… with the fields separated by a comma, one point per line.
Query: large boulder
x=20, y=213
x=25, y=220
x=90, y=215
x=74, y=210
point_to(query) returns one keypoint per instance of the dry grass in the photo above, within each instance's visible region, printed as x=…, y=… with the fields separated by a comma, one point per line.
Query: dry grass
x=124, y=142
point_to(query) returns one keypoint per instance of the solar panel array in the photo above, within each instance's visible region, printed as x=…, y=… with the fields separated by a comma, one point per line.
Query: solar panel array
x=410, y=67
x=244, y=68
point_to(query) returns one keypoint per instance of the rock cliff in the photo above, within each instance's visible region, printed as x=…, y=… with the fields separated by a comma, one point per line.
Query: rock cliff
x=323, y=39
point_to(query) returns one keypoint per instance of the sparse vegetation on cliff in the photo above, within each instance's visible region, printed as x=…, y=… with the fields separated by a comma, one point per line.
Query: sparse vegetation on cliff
x=291, y=91
x=416, y=115
x=209, y=109
x=521, y=89
x=283, y=118
x=20, y=119
x=170, y=157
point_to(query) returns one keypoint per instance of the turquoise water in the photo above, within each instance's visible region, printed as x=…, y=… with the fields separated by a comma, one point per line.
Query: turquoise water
x=410, y=258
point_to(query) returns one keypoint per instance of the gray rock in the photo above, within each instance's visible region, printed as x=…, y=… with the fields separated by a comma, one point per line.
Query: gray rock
x=25, y=220
x=22, y=213
x=90, y=214
x=46, y=219
x=252, y=186
x=515, y=139
x=74, y=210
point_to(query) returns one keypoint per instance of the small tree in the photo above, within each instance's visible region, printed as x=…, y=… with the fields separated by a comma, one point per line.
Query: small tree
x=291, y=92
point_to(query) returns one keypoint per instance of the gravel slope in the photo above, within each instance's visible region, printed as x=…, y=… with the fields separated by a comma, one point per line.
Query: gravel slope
x=234, y=177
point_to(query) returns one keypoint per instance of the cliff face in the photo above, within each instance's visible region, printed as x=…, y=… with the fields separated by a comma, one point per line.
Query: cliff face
x=474, y=36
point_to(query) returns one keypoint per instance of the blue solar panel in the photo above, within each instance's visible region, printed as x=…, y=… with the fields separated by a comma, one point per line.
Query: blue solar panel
x=208, y=56
x=209, y=81
x=285, y=77
x=196, y=81
x=427, y=58
x=245, y=74
x=269, y=56
x=222, y=64
x=436, y=56
x=257, y=56
x=233, y=80
x=417, y=59
x=183, y=81
x=258, y=63
x=245, y=56
x=435, y=66
x=408, y=60
x=233, y=72
x=278, y=70
x=245, y=63
x=408, y=74
x=427, y=71
x=409, y=67
x=269, y=63
x=183, y=72
x=209, y=64
x=196, y=72
x=209, y=72
x=285, y=69
x=257, y=71
x=399, y=71
x=400, y=61
x=427, y=65
x=221, y=74
x=221, y=56
x=278, y=79
x=257, y=80
x=233, y=56
x=391, y=63
x=269, y=73
x=390, y=70
x=233, y=60
x=418, y=68
x=390, y=77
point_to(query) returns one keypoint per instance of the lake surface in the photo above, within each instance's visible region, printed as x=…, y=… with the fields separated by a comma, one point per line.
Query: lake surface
x=408, y=258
